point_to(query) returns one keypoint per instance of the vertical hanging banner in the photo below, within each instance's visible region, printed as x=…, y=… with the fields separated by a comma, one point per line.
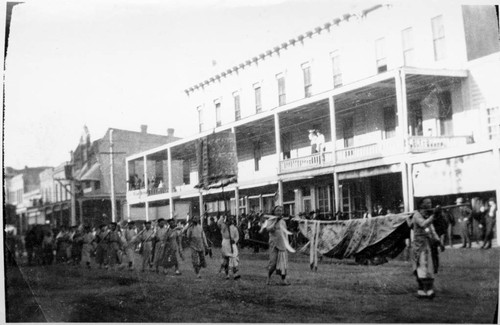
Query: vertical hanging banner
x=217, y=160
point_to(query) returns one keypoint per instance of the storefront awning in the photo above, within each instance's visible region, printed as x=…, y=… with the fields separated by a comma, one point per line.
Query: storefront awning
x=368, y=172
x=93, y=174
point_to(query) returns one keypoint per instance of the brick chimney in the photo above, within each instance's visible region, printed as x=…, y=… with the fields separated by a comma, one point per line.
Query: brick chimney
x=144, y=128
x=170, y=132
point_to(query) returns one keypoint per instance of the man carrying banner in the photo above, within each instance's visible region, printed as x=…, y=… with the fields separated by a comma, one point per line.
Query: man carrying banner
x=424, y=237
x=278, y=245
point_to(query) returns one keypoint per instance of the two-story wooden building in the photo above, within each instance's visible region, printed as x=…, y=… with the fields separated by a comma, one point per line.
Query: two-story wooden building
x=406, y=96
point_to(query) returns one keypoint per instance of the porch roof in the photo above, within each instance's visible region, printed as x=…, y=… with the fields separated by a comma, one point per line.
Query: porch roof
x=358, y=93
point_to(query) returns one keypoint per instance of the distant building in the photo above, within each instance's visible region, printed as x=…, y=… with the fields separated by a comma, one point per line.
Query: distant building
x=406, y=96
x=92, y=171
x=22, y=188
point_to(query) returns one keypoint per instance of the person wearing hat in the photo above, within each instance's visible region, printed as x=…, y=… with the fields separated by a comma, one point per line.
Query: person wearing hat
x=313, y=137
x=101, y=246
x=114, y=245
x=424, y=237
x=490, y=221
x=198, y=244
x=465, y=221
x=173, y=247
x=129, y=236
x=229, y=250
x=160, y=246
x=145, y=239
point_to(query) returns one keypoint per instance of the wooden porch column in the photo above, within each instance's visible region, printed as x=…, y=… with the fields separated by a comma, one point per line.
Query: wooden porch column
x=170, y=199
x=336, y=190
x=411, y=204
x=333, y=128
x=280, y=192
x=405, y=183
x=402, y=109
x=237, y=203
x=278, y=140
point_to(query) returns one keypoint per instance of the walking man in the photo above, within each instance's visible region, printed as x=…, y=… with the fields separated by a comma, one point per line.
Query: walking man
x=490, y=221
x=424, y=236
x=229, y=250
x=130, y=234
x=145, y=239
x=198, y=244
x=465, y=220
x=278, y=245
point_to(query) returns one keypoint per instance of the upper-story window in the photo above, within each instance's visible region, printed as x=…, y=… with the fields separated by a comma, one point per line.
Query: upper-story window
x=280, y=77
x=218, y=115
x=258, y=98
x=438, y=38
x=237, y=107
x=306, y=72
x=380, y=56
x=337, y=73
x=407, y=38
x=200, y=118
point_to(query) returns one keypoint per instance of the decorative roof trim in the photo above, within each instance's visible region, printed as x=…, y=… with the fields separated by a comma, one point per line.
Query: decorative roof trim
x=300, y=38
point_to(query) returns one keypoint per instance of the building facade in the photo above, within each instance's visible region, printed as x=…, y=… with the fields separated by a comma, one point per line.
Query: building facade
x=95, y=162
x=405, y=96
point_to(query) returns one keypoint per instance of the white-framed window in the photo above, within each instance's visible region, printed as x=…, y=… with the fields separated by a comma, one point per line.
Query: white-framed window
x=237, y=105
x=438, y=38
x=200, y=118
x=306, y=72
x=407, y=41
x=218, y=113
x=337, y=72
x=258, y=97
x=380, y=56
x=280, y=78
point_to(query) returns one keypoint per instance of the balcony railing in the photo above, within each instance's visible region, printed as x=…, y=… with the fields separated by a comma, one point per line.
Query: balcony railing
x=383, y=148
x=306, y=162
x=157, y=190
x=424, y=144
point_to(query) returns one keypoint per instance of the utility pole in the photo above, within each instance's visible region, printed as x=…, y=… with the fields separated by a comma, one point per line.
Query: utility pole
x=73, y=196
x=112, y=175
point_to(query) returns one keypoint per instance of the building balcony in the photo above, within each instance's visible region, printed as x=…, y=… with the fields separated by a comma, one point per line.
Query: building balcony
x=316, y=160
x=417, y=144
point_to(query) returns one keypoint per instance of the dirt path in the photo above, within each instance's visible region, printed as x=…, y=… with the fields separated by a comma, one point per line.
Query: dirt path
x=467, y=289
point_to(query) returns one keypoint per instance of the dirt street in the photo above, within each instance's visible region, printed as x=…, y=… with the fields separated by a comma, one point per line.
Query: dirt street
x=340, y=292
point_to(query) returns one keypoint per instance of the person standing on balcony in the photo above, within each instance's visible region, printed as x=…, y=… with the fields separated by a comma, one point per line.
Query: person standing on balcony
x=465, y=221
x=379, y=210
x=490, y=221
x=424, y=237
x=313, y=137
x=229, y=250
x=320, y=142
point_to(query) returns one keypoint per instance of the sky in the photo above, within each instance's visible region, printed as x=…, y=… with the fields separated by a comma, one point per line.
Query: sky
x=120, y=64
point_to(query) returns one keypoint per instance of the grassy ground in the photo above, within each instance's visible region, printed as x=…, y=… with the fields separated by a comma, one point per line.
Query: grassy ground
x=467, y=292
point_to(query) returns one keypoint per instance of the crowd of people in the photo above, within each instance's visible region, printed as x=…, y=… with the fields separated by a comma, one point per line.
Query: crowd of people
x=158, y=246
x=151, y=246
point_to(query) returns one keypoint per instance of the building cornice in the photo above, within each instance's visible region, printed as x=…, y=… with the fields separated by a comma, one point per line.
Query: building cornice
x=283, y=46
